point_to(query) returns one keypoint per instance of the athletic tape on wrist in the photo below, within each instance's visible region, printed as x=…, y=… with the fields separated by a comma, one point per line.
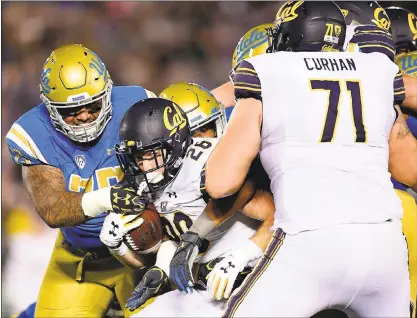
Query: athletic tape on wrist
x=96, y=202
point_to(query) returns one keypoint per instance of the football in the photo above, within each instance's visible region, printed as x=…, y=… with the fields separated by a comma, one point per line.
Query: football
x=148, y=236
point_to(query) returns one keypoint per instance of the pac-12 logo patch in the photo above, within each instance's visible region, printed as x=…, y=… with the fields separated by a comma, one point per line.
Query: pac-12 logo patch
x=80, y=161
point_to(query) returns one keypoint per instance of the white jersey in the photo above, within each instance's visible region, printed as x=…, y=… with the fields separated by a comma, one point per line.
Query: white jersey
x=182, y=202
x=326, y=123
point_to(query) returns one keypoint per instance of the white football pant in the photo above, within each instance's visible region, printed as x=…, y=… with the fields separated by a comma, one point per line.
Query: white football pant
x=361, y=267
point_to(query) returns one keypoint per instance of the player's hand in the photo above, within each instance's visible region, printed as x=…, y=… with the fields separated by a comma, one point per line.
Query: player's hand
x=180, y=272
x=154, y=282
x=223, y=277
x=126, y=200
x=116, y=226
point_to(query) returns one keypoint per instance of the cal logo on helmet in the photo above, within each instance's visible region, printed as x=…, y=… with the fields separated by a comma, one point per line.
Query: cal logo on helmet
x=381, y=19
x=173, y=119
x=288, y=11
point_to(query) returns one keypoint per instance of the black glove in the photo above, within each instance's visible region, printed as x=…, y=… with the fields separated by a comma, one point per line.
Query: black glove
x=124, y=199
x=203, y=272
x=206, y=268
x=180, y=272
x=154, y=282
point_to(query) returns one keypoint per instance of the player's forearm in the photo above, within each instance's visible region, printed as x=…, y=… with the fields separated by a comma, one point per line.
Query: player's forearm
x=261, y=207
x=56, y=206
x=263, y=235
x=130, y=258
x=219, y=210
x=402, y=152
x=410, y=84
x=229, y=162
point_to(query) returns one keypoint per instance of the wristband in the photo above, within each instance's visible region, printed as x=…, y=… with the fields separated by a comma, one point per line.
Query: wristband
x=165, y=254
x=96, y=202
x=119, y=251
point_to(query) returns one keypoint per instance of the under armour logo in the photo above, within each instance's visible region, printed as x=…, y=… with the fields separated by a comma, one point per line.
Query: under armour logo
x=126, y=198
x=172, y=194
x=115, y=226
x=224, y=269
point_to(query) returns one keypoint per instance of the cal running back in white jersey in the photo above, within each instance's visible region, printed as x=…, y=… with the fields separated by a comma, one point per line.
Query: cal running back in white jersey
x=180, y=205
x=328, y=137
x=183, y=201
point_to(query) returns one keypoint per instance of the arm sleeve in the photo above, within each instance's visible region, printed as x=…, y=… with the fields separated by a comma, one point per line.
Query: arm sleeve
x=246, y=82
x=372, y=39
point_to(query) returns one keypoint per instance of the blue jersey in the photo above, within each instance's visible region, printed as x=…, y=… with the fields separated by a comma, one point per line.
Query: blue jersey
x=228, y=112
x=33, y=140
x=412, y=124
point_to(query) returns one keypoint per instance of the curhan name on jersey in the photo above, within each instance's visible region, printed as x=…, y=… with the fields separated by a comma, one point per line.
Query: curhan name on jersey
x=329, y=64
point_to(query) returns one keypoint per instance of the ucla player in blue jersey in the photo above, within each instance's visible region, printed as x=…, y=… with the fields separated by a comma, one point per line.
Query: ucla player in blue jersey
x=65, y=148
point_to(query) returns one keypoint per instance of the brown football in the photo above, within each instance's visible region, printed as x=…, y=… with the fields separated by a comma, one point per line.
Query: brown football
x=148, y=236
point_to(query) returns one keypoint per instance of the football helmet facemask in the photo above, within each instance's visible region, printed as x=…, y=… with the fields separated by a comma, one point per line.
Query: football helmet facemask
x=200, y=106
x=157, y=127
x=74, y=76
x=308, y=26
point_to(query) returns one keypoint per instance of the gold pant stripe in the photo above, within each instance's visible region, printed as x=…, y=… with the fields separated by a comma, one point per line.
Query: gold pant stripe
x=270, y=252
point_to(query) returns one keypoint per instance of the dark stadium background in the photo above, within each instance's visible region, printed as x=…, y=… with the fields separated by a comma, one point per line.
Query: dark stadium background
x=152, y=44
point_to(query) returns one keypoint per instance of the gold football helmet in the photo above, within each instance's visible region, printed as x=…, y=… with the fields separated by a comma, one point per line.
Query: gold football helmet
x=75, y=76
x=253, y=43
x=200, y=106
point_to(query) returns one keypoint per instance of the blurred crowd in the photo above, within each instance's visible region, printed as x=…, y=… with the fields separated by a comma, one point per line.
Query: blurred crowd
x=152, y=44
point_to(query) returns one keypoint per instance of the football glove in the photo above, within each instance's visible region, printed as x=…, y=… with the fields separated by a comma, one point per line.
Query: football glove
x=154, y=282
x=180, y=272
x=125, y=199
x=221, y=280
x=116, y=226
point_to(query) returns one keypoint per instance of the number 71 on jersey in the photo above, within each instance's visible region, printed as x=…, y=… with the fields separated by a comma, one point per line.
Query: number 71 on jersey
x=333, y=87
